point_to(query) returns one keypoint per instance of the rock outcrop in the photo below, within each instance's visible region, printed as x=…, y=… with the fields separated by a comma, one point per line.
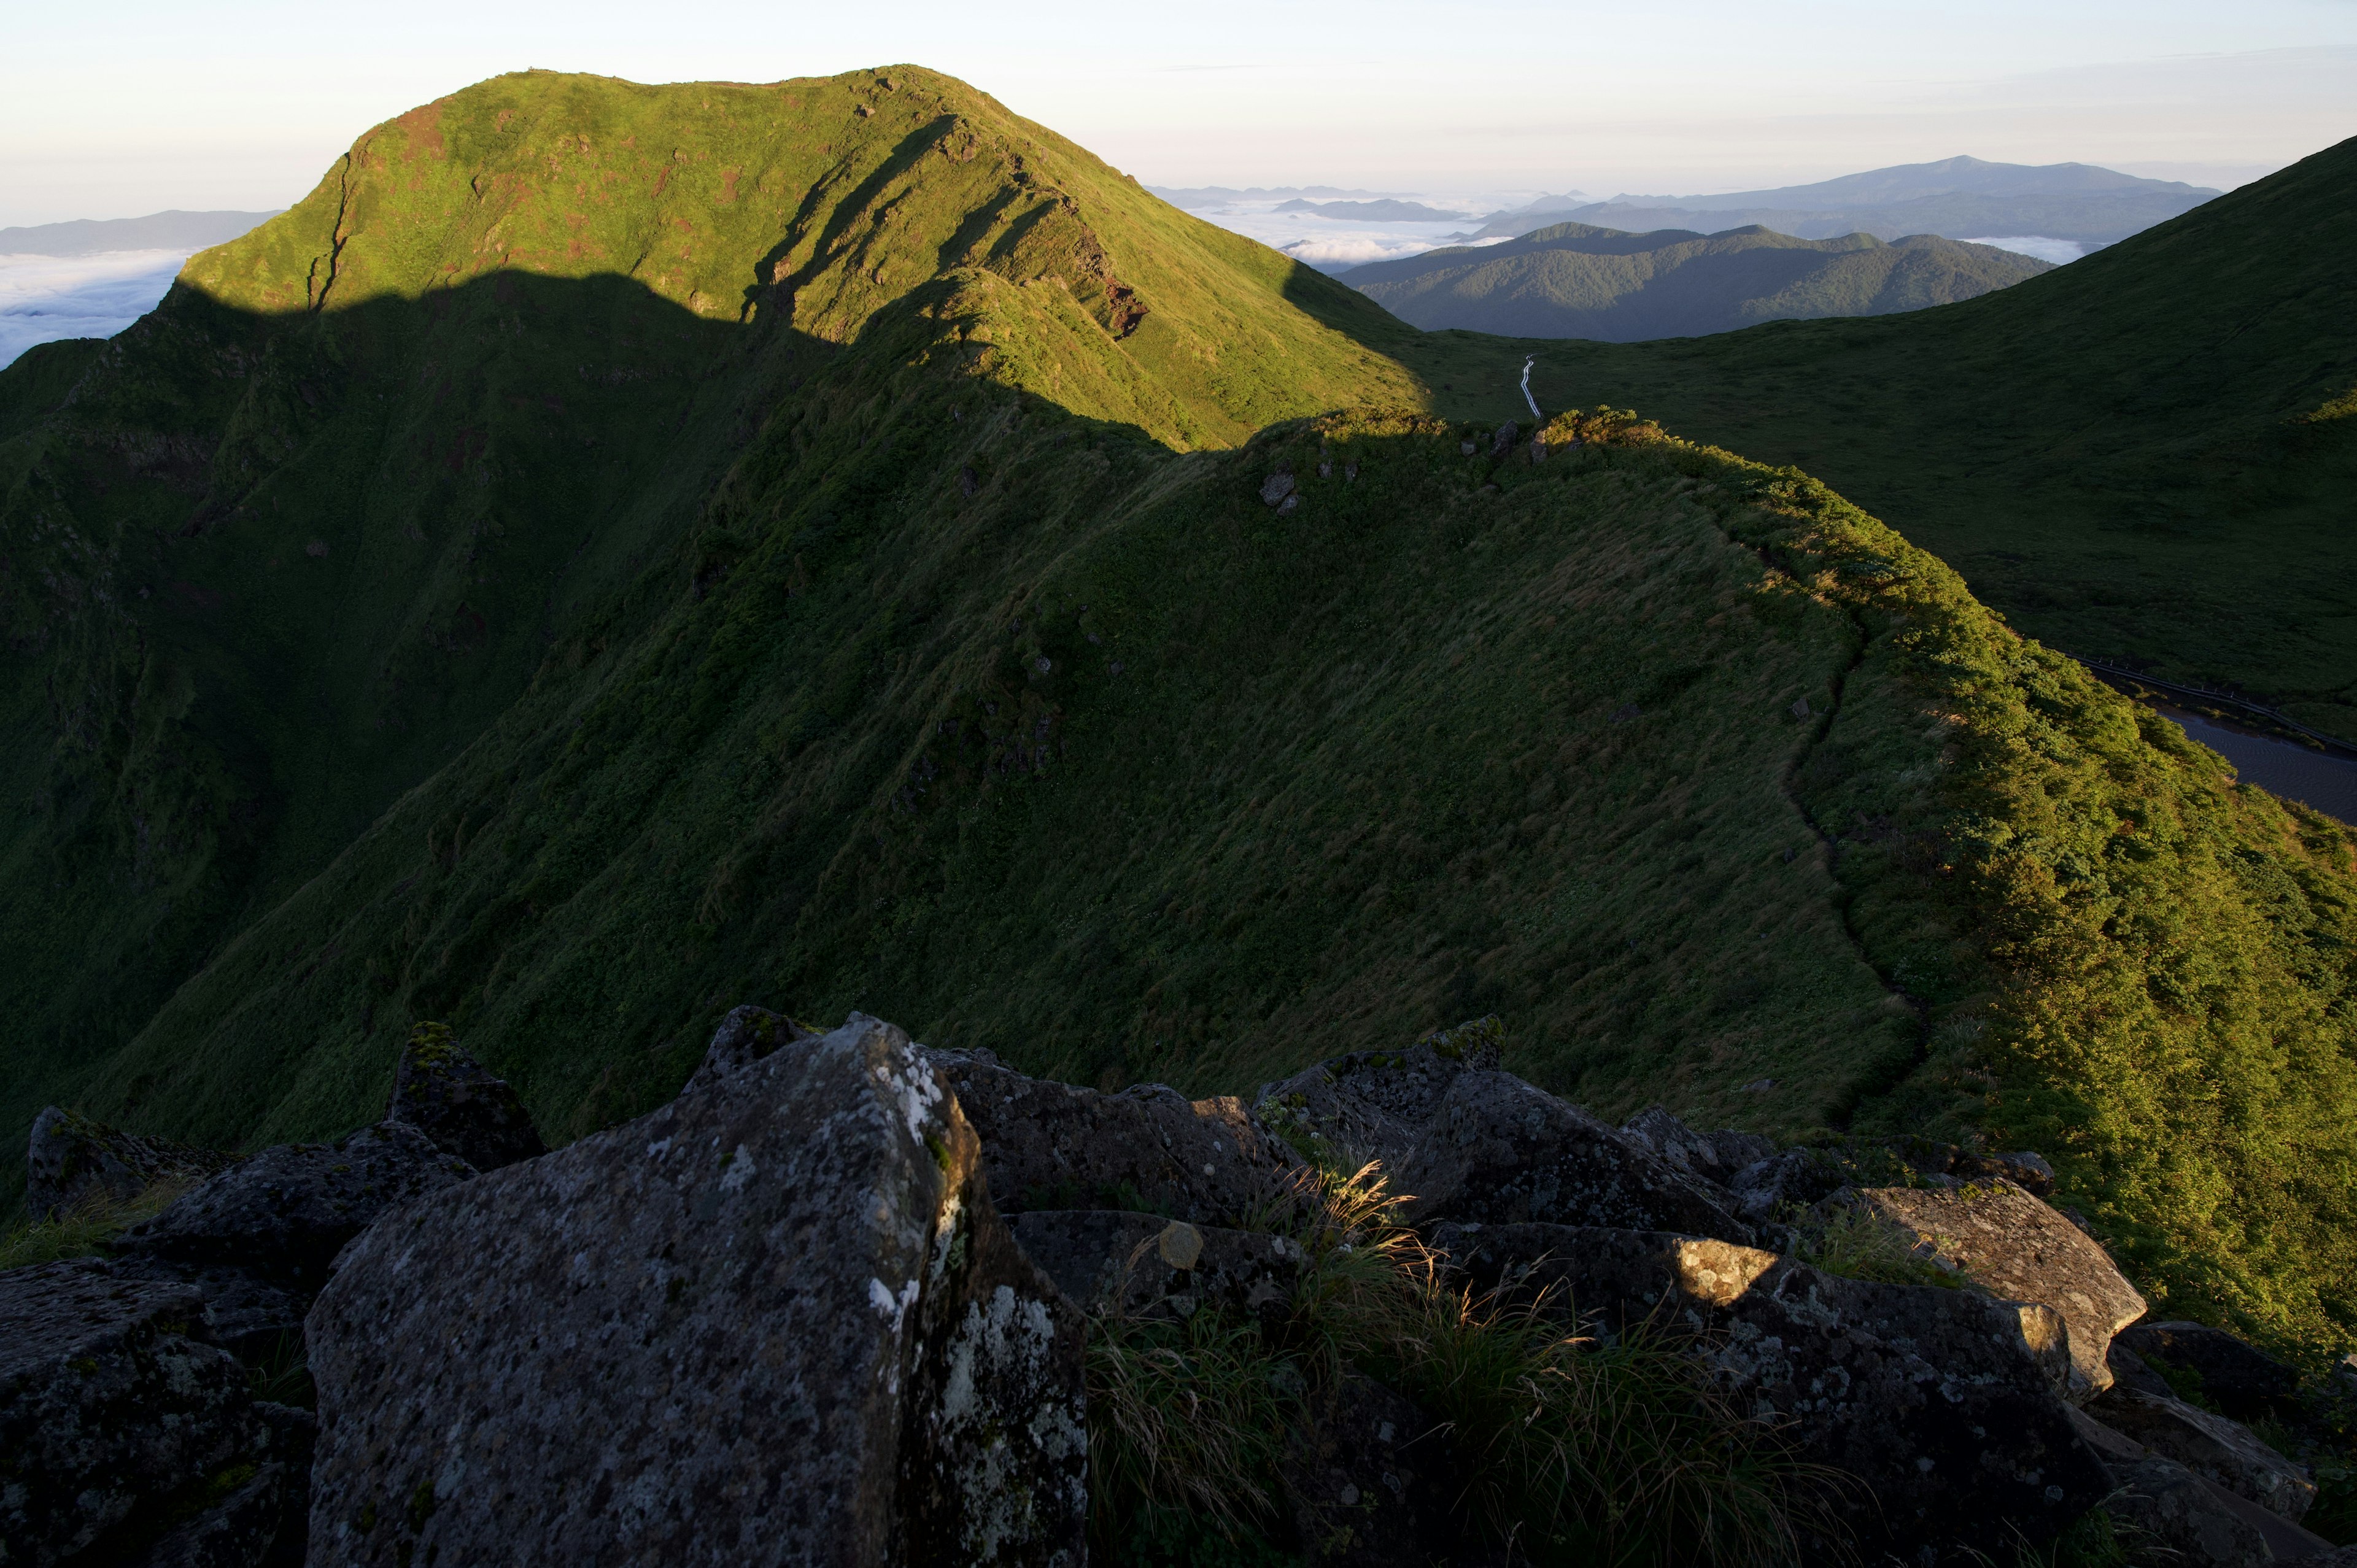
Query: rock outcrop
x=461, y=1107
x=1944, y=1402
x=2017, y=1247
x=2211, y=1445
x=1153, y=1267
x=2240, y=1378
x=70, y=1158
x=1147, y=1149
x=115, y=1412
x=779, y=1317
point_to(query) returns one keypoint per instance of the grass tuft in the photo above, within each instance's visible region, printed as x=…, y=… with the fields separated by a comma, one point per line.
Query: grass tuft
x=84, y=1228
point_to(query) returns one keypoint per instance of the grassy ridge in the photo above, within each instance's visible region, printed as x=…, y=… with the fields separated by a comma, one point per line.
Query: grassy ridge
x=1575, y=281
x=2117, y=455
x=886, y=650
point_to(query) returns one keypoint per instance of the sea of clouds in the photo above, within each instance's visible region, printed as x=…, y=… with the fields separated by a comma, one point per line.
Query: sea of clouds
x=46, y=297
x=1331, y=244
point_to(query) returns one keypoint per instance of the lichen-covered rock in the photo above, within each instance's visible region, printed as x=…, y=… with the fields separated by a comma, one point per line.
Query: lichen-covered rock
x=70, y=1158
x=1148, y=1149
x=1499, y=1151
x=110, y=1402
x=284, y=1214
x=244, y=1314
x=746, y=1035
x=263, y=1519
x=1155, y=1267
x=2209, y=1444
x=2170, y=1506
x=2240, y=1378
x=1473, y=1144
x=1713, y=1156
x=1942, y=1402
x=465, y=1108
x=2019, y=1248
x=1373, y=1105
x=776, y=1321
x=1368, y=1483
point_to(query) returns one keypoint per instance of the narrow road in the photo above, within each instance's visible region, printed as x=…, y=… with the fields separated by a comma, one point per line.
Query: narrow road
x=1526, y=389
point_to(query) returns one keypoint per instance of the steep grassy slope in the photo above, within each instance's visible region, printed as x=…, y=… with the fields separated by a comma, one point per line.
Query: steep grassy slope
x=932, y=646
x=1575, y=281
x=2123, y=455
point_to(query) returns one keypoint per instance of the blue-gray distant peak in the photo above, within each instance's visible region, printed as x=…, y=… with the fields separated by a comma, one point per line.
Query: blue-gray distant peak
x=157, y=232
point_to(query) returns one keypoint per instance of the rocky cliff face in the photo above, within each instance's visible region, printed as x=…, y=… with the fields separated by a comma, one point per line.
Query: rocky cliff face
x=846, y=1299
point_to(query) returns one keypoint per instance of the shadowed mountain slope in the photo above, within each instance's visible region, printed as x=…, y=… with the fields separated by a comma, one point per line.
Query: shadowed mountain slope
x=614, y=553
x=1575, y=281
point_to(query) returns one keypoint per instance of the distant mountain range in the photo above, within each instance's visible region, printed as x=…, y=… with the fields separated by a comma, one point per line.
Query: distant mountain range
x=1384, y=211
x=1200, y=195
x=1959, y=197
x=157, y=232
x=1573, y=280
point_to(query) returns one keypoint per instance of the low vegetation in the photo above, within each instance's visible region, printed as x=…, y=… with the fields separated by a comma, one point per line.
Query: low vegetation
x=1575, y=1448
x=82, y=1229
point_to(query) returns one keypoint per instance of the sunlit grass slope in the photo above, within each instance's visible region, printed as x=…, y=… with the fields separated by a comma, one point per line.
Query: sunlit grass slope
x=930, y=646
x=2125, y=455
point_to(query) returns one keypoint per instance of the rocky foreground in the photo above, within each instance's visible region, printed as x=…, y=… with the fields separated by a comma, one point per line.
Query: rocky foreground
x=831, y=1305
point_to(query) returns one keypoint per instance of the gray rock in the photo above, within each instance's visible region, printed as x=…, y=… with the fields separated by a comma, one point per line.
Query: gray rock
x=1942, y=1402
x=108, y=1401
x=2242, y=1380
x=466, y=1111
x=2019, y=1248
x=2175, y=1511
x=244, y=1314
x=2128, y=1372
x=2211, y=1445
x=1156, y=1267
x=776, y=1321
x=1148, y=1149
x=1713, y=1156
x=1275, y=487
x=1368, y=1480
x=1503, y=441
x=264, y=1522
x=1373, y=1105
x=70, y=1157
x=1499, y=1151
x=746, y=1036
x=284, y=1214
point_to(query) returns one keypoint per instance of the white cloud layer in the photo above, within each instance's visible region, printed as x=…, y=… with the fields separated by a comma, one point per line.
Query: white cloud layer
x=43, y=298
x=2039, y=245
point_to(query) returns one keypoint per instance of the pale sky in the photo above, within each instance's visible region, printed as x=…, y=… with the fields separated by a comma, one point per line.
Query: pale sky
x=137, y=105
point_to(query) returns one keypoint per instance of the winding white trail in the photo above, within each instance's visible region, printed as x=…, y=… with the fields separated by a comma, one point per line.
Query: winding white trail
x=1526, y=389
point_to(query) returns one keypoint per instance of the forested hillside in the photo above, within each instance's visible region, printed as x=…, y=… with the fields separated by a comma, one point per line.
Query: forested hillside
x=614, y=553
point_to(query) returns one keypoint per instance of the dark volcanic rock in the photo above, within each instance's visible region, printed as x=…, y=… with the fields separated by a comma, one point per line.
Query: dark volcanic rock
x=264, y=1520
x=1944, y=1402
x=2209, y=1446
x=1057, y=1146
x=2175, y=1512
x=446, y=1094
x=1368, y=1481
x=1158, y=1267
x=1713, y=1156
x=2245, y=1381
x=2017, y=1247
x=744, y=1038
x=68, y=1158
x=1474, y=1143
x=108, y=1403
x=284, y=1214
x=776, y=1321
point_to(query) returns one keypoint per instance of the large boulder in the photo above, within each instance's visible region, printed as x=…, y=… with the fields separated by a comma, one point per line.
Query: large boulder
x=2019, y=1248
x=1713, y=1157
x=284, y=1214
x=2241, y=1378
x=776, y=1321
x=1146, y=1149
x=1153, y=1267
x=457, y=1103
x=110, y=1402
x=1944, y=1402
x=1473, y=1143
x=2211, y=1446
x=70, y=1158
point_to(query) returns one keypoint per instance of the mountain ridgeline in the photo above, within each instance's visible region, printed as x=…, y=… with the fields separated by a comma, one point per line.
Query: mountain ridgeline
x=1575, y=281
x=612, y=553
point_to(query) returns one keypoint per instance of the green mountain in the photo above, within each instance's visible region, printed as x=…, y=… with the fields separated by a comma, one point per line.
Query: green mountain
x=612, y=553
x=2139, y=456
x=1961, y=197
x=1575, y=281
